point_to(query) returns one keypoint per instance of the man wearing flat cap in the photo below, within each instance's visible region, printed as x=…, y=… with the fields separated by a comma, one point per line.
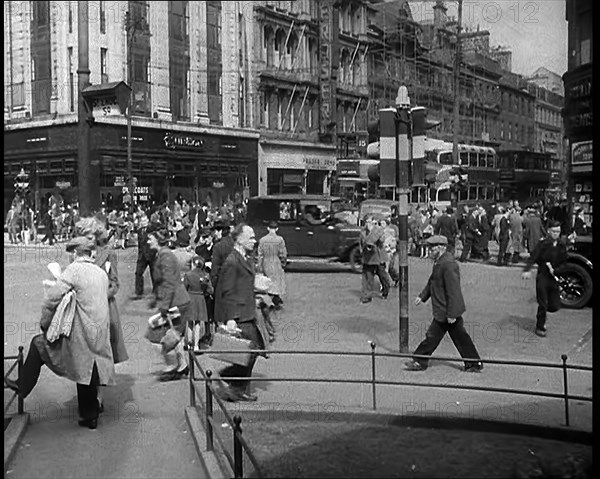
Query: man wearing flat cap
x=443, y=287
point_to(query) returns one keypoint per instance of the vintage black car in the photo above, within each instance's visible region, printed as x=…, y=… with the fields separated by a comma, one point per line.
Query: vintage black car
x=575, y=276
x=308, y=225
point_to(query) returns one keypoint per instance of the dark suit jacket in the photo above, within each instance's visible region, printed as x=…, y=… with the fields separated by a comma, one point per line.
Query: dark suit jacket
x=220, y=253
x=446, y=226
x=234, y=294
x=443, y=287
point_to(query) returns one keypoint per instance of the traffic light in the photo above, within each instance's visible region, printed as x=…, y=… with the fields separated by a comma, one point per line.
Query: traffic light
x=22, y=184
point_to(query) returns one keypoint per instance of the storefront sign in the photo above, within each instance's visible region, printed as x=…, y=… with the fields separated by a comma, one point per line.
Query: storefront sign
x=578, y=113
x=581, y=153
x=319, y=163
x=348, y=168
x=63, y=185
x=140, y=193
x=177, y=140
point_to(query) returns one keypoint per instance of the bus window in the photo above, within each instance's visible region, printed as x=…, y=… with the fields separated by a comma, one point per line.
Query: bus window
x=443, y=195
x=462, y=195
x=464, y=158
x=473, y=192
x=482, y=159
x=445, y=158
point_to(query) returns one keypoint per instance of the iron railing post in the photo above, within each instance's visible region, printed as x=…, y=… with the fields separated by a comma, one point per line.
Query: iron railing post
x=191, y=361
x=209, y=411
x=566, y=388
x=19, y=376
x=238, y=459
x=373, y=390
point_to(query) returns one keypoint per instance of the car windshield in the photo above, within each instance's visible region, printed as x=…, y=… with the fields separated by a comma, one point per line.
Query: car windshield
x=374, y=209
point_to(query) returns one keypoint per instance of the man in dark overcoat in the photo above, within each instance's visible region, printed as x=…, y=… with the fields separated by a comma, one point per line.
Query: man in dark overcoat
x=447, y=226
x=221, y=249
x=549, y=254
x=145, y=258
x=443, y=287
x=235, y=306
x=472, y=233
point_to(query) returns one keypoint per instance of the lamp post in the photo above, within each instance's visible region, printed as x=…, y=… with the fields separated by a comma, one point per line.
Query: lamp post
x=83, y=124
x=404, y=156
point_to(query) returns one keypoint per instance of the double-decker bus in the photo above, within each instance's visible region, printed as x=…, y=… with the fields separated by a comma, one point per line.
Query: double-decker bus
x=524, y=175
x=478, y=162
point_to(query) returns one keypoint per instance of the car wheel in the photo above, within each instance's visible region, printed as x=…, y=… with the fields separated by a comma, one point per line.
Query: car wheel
x=355, y=259
x=575, y=286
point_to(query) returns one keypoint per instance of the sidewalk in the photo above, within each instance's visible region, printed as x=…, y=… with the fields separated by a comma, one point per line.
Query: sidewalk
x=144, y=433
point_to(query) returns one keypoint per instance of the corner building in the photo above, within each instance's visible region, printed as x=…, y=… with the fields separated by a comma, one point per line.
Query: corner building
x=192, y=129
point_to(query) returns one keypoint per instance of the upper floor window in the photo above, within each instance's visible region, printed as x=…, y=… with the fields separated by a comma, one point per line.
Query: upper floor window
x=102, y=17
x=103, y=65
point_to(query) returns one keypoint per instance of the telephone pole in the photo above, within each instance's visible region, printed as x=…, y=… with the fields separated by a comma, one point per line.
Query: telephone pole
x=83, y=126
x=457, y=60
x=131, y=27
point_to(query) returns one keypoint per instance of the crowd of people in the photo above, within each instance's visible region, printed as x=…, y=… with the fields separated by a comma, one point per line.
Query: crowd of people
x=516, y=230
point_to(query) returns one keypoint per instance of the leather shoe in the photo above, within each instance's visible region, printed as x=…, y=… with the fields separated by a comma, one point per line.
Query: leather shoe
x=89, y=423
x=169, y=376
x=184, y=372
x=540, y=332
x=414, y=366
x=247, y=397
x=475, y=368
x=11, y=384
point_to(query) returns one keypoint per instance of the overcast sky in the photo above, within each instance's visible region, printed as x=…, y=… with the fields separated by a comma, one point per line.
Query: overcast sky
x=535, y=31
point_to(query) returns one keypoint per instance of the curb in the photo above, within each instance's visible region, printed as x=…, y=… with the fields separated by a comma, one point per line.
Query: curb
x=214, y=466
x=13, y=435
x=217, y=469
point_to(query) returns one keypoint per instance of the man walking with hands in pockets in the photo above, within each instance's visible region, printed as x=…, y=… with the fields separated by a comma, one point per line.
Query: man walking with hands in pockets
x=443, y=287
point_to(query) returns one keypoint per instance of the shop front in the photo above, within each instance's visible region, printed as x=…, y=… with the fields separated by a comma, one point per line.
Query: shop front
x=166, y=164
x=294, y=167
x=578, y=117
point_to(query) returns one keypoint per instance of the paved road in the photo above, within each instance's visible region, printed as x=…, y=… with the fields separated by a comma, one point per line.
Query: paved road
x=144, y=421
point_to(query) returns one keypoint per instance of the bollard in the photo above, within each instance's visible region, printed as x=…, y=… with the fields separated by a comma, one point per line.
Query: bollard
x=209, y=412
x=566, y=388
x=238, y=459
x=19, y=376
x=373, y=374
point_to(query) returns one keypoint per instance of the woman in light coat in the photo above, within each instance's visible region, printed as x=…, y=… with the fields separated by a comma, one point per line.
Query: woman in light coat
x=516, y=233
x=84, y=354
x=272, y=258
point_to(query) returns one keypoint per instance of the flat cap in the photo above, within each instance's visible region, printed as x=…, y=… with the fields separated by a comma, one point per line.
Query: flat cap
x=437, y=240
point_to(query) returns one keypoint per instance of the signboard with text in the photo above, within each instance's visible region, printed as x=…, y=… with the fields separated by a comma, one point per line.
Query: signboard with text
x=581, y=153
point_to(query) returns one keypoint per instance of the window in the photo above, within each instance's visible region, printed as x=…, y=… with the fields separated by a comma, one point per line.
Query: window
x=472, y=192
x=71, y=82
x=445, y=158
x=41, y=13
x=103, y=66
x=464, y=158
x=102, y=17
x=265, y=108
x=213, y=23
x=279, y=112
x=70, y=18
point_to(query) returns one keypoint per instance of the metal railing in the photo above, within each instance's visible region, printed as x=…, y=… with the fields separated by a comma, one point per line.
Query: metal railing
x=19, y=365
x=236, y=462
x=239, y=443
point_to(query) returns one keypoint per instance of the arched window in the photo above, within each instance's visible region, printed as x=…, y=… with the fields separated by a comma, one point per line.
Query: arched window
x=280, y=48
x=268, y=45
x=292, y=47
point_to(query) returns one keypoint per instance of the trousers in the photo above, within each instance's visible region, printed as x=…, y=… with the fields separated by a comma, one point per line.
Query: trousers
x=368, y=280
x=249, y=331
x=141, y=265
x=459, y=335
x=548, y=298
x=87, y=394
